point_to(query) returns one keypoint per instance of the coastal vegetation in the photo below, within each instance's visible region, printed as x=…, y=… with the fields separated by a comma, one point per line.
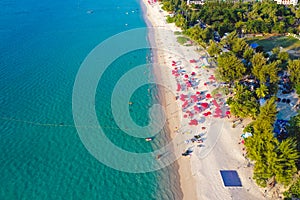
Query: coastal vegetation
x=214, y=19
x=252, y=75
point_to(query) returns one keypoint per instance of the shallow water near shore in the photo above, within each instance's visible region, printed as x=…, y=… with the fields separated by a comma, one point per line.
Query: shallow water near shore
x=43, y=45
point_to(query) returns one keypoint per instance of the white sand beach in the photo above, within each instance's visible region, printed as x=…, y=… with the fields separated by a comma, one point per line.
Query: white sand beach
x=196, y=113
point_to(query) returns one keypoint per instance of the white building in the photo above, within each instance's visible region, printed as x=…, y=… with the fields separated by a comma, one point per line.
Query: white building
x=287, y=2
x=189, y=2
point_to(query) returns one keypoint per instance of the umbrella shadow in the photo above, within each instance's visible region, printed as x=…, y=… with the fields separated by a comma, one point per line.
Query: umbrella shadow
x=202, y=120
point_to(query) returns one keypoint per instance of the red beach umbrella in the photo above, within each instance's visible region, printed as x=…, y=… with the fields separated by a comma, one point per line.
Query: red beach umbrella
x=204, y=105
x=208, y=96
x=193, y=73
x=186, y=76
x=198, y=92
x=228, y=112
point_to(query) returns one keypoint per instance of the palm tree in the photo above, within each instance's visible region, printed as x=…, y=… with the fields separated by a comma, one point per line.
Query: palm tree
x=258, y=62
x=262, y=91
x=286, y=162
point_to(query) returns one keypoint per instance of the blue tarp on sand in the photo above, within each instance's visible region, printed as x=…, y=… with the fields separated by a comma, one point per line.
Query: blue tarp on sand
x=231, y=178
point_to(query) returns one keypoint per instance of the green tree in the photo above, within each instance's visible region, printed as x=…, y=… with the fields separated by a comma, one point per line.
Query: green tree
x=239, y=46
x=283, y=56
x=262, y=91
x=243, y=103
x=258, y=61
x=294, y=129
x=294, y=71
x=180, y=21
x=294, y=190
x=266, y=117
x=273, y=160
x=213, y=49
x=286, y=162
x=248, y=54
x=261, y=148
x=230, y=68
x=207, y=34
x=276, y=50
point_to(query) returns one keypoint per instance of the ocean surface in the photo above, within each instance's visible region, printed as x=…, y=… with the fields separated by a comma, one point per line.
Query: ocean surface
x=42, y=45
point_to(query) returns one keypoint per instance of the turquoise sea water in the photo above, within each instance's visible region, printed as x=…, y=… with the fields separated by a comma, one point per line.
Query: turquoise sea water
x=42, y=45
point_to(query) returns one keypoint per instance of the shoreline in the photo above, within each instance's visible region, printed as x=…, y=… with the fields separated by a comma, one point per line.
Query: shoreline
x=199, y=175
x=183, y=167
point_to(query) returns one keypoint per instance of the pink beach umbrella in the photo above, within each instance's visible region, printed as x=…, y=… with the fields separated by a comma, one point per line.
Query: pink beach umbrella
x=182, y=97
x=212, y=77
x=194, y=98
x=193, y=73
x=196, y=108
x=185, y=116
x=185, y=104
x=218, y=111
x=193, y=122
x=178, y=87
x=215, y=103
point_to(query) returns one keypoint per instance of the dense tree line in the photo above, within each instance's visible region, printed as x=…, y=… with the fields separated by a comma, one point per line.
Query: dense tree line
x=227, y=16
x=274, y=160
x=251, y=74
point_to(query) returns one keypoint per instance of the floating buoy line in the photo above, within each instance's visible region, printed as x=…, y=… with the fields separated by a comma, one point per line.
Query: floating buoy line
x=58, y=125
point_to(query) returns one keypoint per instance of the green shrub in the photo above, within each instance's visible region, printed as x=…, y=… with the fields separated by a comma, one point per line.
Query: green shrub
x=182, y=40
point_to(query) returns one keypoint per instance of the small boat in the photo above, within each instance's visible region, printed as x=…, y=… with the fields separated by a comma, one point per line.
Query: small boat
x=148, y=139
x=89, y=11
